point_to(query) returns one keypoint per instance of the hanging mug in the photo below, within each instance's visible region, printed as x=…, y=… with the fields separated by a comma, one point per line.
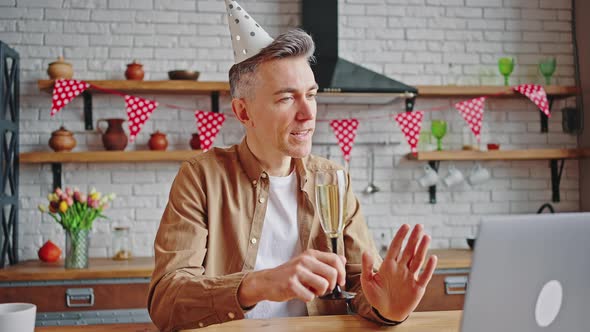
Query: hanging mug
x=114, y=138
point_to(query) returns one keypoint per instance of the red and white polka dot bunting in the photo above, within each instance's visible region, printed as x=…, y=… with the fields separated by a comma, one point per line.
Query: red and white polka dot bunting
x=472, y=112
x=138, y=112
x=208, y=124
x=410, y=124
x=64, y=91
x=536, y=93
x=345, y=131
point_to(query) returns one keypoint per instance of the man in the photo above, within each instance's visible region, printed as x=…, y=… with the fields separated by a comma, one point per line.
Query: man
x=239, y=237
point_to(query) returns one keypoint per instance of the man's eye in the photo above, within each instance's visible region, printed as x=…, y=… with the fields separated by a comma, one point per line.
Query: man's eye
x=285, y=99
x=311, y=96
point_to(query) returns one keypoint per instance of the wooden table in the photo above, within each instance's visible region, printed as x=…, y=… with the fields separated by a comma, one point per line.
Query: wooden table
x=434, y=321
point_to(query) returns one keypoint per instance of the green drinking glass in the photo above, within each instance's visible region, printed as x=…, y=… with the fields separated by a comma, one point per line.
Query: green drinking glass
x=506, y=66
x=439, y=130
x=547, y=67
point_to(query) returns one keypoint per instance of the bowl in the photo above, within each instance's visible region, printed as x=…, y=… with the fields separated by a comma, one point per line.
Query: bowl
x=189, y=75
x=471, y=242
x=17, y=317
x=493, y=146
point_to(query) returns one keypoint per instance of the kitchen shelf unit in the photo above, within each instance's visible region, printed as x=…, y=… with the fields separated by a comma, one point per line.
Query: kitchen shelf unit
x=216, y=88
x=58, y=158
x=556, y=159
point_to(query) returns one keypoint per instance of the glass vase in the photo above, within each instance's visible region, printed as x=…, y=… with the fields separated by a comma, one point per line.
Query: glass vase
x=77, y=243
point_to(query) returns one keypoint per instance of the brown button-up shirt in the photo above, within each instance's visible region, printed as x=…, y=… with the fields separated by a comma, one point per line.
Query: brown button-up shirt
x=208, y=238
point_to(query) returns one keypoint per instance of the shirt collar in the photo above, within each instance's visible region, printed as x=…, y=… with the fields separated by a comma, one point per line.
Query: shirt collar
x=254, y=170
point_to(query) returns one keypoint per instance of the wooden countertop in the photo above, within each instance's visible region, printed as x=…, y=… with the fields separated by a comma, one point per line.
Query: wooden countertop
x=141, y=267
x=99, y=268
x=431, y=321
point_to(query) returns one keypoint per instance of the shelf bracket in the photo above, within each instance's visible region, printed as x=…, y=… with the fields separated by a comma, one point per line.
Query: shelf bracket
x=410, y=102
x=87, y=110
x=432, y=189
x=556, y=178
x=56, y=170
x=215, y=101
x=544, y=118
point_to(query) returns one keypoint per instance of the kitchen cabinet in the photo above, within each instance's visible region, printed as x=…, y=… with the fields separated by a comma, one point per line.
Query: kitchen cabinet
x=446, y=290
x=107, y=292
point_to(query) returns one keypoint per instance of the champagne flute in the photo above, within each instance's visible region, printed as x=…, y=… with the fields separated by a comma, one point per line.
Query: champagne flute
x=506, y=66
x=330, y=189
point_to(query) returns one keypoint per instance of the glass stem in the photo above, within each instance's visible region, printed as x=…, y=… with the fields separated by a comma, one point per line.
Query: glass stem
x=439, y=144
x=336, y=290
x=547, y=80
x=506, y=82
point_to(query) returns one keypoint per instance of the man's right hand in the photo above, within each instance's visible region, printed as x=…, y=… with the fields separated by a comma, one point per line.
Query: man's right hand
x=313, y=273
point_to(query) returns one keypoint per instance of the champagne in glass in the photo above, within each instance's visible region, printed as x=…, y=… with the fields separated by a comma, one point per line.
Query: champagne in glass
x=330, y=190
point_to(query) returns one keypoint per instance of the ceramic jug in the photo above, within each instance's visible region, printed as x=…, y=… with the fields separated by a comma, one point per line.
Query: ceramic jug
x=134, y=71
x=62, y=140
x=114, y=138
x=195, y=142
x=158, y=141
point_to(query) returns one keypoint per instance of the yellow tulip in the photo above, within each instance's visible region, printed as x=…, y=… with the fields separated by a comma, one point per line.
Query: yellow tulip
x=95, y=196
x=63, y=206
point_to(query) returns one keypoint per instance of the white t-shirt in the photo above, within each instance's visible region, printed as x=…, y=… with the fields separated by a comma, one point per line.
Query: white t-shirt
x=279, y=242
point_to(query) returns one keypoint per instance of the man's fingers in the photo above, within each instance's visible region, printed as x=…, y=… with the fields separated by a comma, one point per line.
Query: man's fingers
x=420, y=255
x=410, y=249
x=428, y=271
x=332, y=261
x=316, y=283
x=396, y=244
x=300, y=291
x=367, y=266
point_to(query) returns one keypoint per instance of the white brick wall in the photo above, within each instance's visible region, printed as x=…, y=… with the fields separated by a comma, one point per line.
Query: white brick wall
x=415, y=41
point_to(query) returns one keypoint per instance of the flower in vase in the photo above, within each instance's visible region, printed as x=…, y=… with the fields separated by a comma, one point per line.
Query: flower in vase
x=74, y=210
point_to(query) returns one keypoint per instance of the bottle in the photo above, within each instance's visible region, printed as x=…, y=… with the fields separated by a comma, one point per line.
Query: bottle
x=121, y=246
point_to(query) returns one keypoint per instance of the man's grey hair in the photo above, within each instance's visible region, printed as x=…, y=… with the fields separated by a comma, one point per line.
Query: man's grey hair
x=289, y=44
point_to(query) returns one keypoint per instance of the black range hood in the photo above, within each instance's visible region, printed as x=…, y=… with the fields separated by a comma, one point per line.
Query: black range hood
x=334, y=74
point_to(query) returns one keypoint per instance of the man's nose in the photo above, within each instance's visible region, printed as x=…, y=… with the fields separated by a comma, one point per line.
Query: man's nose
x=307, y=109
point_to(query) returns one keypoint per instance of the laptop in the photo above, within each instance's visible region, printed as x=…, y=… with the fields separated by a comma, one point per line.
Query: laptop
x=530, y=273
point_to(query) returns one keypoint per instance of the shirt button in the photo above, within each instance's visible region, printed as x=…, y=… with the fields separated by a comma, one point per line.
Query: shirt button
x=201, y=324
x=263, y=175
x=231, y=315
x=261, y=200
x=254, y=182
x=253, y=240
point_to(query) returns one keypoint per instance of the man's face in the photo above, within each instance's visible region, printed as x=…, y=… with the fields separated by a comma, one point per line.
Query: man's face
x=283, y=107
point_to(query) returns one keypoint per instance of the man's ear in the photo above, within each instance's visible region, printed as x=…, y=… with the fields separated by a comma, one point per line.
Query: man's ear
x=238, y=106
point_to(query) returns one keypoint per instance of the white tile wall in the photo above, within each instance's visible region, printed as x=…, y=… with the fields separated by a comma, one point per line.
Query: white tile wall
x=415, y=41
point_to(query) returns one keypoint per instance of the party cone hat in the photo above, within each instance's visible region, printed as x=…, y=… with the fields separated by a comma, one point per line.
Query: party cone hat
x=247, y=37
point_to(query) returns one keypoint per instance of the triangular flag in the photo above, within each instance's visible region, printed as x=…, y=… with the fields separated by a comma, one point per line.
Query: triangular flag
x=64, y=91
x=536, y=93
x=411, y=124
x=138, y=112
x=472, y=112
x=208, y=124
x=247, y=37
x=345, y=131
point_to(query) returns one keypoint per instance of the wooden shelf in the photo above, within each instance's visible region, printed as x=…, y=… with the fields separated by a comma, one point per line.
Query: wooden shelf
x=196, y=87
x=106, y=156
x=158, y=87
x=553, y=155
x=532, y=154
x=487, y=90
